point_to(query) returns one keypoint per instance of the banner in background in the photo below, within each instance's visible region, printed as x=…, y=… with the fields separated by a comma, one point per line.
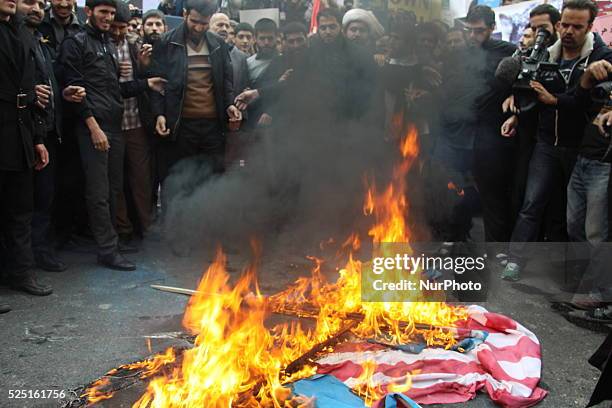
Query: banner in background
x=425, y=10
x=605, y=6
x=253, y=16
x=603, y=26
x=512, y=19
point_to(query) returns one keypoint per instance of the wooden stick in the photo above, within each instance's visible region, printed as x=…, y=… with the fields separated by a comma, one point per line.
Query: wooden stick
x=305, y=358
x=311, y=312
x=173, y=289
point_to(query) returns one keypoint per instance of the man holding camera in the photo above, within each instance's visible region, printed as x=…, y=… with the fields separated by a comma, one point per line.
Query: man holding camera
x=561, y=122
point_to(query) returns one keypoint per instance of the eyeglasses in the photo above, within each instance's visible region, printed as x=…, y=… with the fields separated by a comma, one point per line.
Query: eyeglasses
x=476, y=30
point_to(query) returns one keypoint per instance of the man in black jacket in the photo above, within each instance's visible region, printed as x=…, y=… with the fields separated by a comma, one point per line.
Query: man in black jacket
x=45, y=180
x=60, y=21
x=472, y=119
x=561, y=123
x=88, y=59
x=193, y=112
x=21, y=149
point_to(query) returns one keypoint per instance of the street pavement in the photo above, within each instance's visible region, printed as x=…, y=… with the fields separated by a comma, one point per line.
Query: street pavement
x=98, y=319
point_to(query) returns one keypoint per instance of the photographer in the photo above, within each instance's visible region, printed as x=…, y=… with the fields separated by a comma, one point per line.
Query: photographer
x=561, y=124
x=542, y=17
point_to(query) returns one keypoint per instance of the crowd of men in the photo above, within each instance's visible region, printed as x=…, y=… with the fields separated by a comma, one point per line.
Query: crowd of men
x=97, y=115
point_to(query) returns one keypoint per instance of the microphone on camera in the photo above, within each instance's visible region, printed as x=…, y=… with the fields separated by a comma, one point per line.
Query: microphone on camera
x=508, y=70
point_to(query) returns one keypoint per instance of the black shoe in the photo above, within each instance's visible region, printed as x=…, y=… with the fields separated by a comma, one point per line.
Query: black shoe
x=4, y=308
x=30, y=285
x=125, y=247
x=48, y=262
x=116, y=261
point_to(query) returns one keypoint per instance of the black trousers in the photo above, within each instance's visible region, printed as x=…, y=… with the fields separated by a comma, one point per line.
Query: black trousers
x=70, y=211
x=44, y=196
x=16, y=190
x=200, y=139
x=196, y=154
x=103, y=182
x=493, y=171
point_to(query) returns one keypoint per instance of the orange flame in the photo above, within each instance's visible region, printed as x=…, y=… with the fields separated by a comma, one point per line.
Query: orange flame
x=453, y=187
x=372, y=390
x=236, y=361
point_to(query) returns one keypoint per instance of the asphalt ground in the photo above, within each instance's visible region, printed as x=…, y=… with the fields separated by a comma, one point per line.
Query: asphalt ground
x=98, y=319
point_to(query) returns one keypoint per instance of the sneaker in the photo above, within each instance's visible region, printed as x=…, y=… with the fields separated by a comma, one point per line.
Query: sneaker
x=502, y=259
x=512, y=272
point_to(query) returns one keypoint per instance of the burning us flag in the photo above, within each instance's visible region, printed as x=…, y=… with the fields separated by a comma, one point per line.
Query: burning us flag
x=507, y=365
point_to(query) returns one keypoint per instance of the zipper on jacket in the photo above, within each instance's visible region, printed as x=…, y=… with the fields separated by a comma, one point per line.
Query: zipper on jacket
x=556, y=126
x=178, y=120
x=567, y=83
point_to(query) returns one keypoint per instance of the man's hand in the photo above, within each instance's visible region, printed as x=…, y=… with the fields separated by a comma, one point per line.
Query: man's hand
x=543, y=95
x=160, y=126
x=508, y=129
x=234, y=114
x=285, y=75
x=157, y=84
x=509, y=106
x=73, y=93
x=604, y=122
x=43, y=95
x=99, y=140
x=248, y=96
x=432, y=76
x=264, y=120
x=42, y=156
x=596, y=72
x=380, y=59
x=144, y=55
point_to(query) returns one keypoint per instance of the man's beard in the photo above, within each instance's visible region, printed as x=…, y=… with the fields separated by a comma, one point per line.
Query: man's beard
x=32, y=20
x=196, y=38
x=266, y=52
x=152, y=38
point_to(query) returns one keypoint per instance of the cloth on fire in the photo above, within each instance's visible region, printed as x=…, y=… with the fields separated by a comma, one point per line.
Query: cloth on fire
x=507, y=365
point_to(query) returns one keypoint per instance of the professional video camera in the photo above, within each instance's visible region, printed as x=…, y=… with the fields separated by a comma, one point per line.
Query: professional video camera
x=535, y=67
x=601, y=93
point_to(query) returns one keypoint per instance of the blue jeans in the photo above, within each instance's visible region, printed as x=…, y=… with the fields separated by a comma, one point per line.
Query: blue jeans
x=587, y=201
x=549, y=167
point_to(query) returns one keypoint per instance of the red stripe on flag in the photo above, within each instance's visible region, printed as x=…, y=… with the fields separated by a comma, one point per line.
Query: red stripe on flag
x=316, y=6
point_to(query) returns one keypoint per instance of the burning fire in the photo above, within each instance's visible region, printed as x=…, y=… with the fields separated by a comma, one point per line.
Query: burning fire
x=238, y=362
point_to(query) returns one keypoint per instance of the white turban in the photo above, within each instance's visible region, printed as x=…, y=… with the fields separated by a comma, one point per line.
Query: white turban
x=365, y=16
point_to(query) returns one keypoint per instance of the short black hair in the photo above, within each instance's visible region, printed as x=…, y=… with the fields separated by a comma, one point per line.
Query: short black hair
x=294, y=28
x=265, y=25
x=205, y=7
x=432, y=29
x=95, y=3
x=481, y=12
x=154, y=13
x=122, y=15
x=244, y=27
x=582, y=5
x=330, y=12
x=549, y=9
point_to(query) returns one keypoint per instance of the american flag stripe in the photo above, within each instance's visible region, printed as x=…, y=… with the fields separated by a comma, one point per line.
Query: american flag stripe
x=507, y=365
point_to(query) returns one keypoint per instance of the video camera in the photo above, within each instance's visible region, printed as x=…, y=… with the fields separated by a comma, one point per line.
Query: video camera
x=601, y=93
x=535, y=67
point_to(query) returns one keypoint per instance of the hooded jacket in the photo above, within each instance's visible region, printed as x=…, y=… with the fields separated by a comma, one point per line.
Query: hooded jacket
x=564, y=124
